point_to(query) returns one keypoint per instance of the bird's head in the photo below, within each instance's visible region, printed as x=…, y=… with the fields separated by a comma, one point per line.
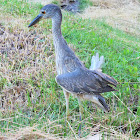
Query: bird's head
x=48, y=11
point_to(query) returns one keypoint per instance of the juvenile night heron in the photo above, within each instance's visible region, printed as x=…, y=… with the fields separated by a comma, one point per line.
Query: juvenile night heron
x=72, y=76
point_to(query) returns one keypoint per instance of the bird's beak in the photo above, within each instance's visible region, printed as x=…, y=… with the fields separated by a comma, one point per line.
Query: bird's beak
x=35, y=20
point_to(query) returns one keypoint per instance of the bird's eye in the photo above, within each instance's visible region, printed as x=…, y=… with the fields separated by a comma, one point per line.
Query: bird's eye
x=43, y=12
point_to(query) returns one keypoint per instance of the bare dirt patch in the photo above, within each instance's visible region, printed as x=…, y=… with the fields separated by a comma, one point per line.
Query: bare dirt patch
x=122, y=14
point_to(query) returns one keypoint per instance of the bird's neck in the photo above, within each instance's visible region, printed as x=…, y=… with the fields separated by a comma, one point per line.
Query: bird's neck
x=56, y=30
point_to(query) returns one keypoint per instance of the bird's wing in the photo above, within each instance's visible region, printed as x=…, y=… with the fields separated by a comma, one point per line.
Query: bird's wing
x=110, y=80
x=72, y=63
x=83, y=81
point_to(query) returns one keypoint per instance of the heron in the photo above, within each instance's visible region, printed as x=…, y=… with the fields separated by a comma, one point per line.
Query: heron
x=72, y=75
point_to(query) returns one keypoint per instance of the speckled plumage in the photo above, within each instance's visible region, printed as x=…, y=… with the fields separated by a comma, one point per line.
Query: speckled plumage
x=72, y=76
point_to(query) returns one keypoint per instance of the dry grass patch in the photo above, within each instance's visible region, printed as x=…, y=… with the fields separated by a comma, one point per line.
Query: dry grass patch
x=28, y=133
x=43, y=2
x=124, y=15
x=23, y=58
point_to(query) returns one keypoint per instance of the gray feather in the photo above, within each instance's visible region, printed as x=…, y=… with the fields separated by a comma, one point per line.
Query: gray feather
x=84, y=81
x=96, y=62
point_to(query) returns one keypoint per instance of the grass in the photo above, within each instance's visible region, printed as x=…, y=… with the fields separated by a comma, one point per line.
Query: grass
x=32, y=102
x=84, y=4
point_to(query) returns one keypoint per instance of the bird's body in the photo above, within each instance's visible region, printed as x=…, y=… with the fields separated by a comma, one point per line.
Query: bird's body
x=66, y=61
x=72, y=75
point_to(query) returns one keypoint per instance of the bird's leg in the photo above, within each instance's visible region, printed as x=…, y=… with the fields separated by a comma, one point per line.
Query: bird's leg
x=67, y=103
x=80, y=108
x=81, y=112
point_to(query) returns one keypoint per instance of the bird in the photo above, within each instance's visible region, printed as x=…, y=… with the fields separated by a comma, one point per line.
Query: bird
x=72, y=75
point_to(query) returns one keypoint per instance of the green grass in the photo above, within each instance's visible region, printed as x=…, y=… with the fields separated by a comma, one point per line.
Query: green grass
x=41, y=103
x=84, y=4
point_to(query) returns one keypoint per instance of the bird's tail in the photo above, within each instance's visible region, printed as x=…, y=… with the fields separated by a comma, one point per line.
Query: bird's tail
x=97, y=62
x=97, y=99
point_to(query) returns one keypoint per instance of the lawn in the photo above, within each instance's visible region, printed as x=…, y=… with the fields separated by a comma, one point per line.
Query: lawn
x=33, y=105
